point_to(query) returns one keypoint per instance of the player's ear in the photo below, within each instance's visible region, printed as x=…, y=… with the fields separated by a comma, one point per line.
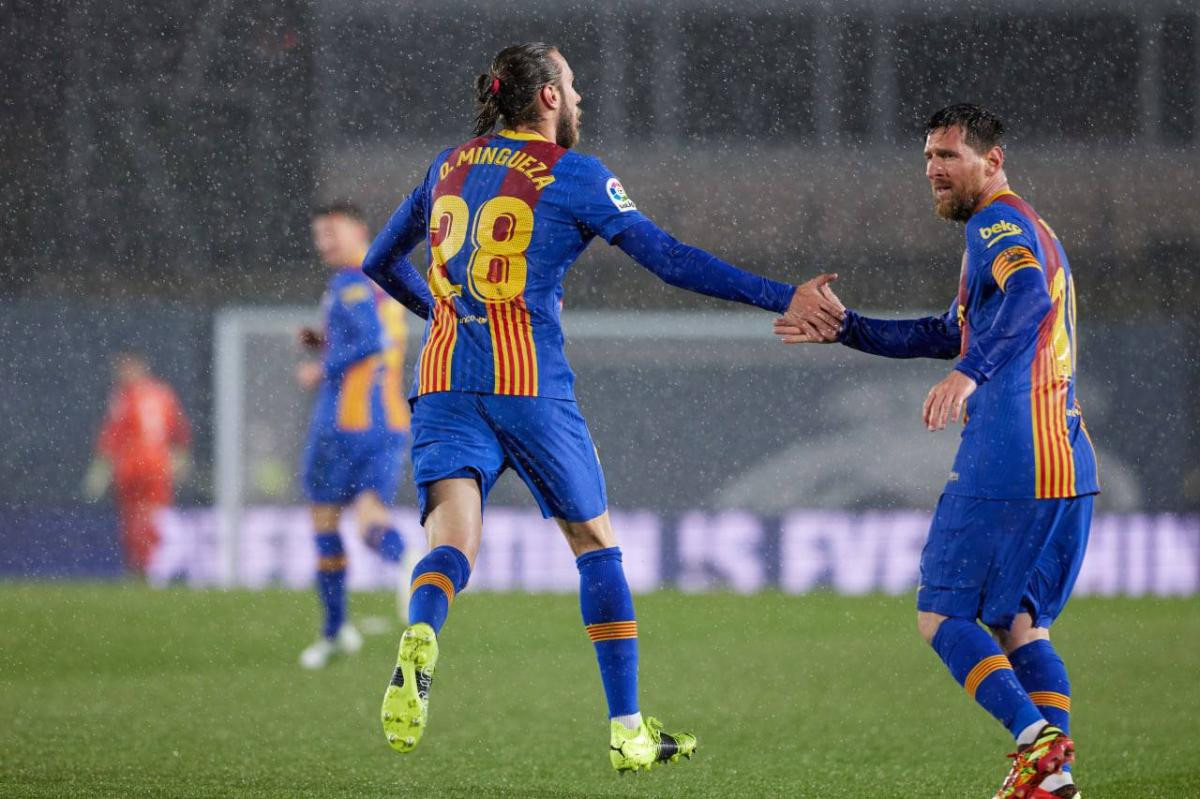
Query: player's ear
x=995, y=160
x=550, y=96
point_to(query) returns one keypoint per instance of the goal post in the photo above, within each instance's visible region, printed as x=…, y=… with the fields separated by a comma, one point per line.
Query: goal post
x=253, y=347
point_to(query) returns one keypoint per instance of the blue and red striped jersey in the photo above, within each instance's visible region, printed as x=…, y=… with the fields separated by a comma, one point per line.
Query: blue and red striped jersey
x=1024, y=436
x=506, y=215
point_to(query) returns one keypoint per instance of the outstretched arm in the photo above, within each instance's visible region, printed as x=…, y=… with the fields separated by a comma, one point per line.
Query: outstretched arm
x=387, y=261
x=696, y=270
x=928, y=337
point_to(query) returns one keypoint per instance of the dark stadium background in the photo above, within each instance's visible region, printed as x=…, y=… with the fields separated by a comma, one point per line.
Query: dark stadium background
x=160, y=160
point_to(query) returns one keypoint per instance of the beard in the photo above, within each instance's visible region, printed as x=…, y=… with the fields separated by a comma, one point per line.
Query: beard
x=958, y=207
x=566, y=133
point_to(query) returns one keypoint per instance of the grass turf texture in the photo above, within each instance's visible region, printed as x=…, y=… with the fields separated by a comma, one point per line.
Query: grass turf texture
x=121, y=691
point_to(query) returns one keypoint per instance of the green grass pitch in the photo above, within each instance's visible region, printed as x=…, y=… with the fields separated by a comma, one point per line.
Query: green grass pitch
x=122, y=691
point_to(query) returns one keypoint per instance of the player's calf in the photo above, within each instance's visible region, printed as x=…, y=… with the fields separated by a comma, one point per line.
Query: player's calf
x=976, y=662
x=337, y=635
x=607, y=608
x=437, y=579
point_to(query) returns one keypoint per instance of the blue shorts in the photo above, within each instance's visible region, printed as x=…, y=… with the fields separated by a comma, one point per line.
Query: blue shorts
x=545, y=441
x=339, y=466
x=991, y=559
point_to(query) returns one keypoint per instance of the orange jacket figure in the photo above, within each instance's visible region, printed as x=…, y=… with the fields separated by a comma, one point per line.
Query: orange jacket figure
x=144, y=440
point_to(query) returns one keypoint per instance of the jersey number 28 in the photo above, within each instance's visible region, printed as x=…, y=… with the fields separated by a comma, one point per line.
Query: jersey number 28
x=497, y=269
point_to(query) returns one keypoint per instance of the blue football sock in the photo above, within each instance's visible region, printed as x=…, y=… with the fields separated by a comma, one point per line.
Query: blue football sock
x=1043, y=674
x=608, y=615
x=386, y=541
x=436, y=579
x=975, y=660
x=331, y=581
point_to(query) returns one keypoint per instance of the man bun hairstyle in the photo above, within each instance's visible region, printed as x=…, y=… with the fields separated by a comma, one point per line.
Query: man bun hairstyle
x=508, y=90
x=339, y=208
x=982, y=129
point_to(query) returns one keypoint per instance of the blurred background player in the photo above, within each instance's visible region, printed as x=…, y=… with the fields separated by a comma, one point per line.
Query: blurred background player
x=1010, y=530
x=356, y=442
x=142, y=451
x=506, y=215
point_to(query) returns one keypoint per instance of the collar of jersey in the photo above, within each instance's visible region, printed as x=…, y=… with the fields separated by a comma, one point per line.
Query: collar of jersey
x=522, y=135
x=997, y=196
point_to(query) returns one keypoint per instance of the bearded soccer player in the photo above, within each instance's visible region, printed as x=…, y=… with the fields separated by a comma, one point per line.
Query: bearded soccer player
x=1010, y=529
x=506, y=214
x=356, y=440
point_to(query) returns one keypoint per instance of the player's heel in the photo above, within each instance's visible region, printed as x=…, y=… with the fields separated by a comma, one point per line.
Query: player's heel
x=643, y=748
x=1060, y=753
x=405, y=708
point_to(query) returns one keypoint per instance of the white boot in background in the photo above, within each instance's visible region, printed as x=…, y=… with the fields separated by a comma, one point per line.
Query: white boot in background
x=348, y=641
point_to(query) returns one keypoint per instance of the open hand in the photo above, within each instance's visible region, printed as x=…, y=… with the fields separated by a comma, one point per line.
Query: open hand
x=946, y=400
x=815, y=314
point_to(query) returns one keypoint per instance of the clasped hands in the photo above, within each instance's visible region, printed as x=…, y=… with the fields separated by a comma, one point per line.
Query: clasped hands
x=816, y=316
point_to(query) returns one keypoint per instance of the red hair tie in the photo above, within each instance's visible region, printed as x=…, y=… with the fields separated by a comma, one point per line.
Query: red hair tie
x=495, y=89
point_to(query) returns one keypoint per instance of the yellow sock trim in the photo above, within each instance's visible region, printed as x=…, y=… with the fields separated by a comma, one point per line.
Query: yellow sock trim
x=984, y=669
x=438, y=580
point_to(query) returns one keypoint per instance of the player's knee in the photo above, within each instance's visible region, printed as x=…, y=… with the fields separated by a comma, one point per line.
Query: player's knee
x=928, y=624
x=584, y=537
x=370, y=510
x=326, y=517
x=1021, y=632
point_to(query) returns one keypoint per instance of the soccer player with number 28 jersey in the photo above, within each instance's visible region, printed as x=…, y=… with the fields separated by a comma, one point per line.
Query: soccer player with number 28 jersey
x=505, y=215
x=1010, y=530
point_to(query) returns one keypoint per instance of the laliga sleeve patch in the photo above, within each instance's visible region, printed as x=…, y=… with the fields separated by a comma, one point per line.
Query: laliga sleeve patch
x=616, y=193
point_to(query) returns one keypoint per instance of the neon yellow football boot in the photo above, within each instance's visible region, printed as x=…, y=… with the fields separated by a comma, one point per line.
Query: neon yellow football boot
x=631, y=750
x=406, y=702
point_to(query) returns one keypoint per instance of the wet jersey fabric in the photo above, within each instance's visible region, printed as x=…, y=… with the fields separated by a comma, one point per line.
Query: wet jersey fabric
x=545, y=441
x=1013, y=324
x=990, y=559
x=505, y=216
x=360, y=418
